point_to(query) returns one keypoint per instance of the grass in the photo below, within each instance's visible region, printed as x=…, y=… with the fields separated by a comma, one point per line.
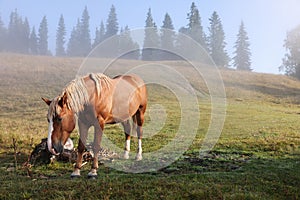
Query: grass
x=256, y=157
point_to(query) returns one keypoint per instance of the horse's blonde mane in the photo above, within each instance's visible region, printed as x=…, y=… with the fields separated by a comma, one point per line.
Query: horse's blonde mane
x=77, y=93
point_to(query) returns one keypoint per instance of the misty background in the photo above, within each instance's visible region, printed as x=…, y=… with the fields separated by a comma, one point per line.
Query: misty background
x=266, y=22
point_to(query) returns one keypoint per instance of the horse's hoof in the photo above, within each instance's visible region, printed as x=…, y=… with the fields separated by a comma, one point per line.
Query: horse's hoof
x=92, y=174
x=126, y=155
x=138, y=157
x=75, y=173
x=75, y=176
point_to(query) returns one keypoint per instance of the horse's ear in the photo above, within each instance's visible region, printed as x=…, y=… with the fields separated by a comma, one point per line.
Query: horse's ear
x=62, y=100
x=47, y=101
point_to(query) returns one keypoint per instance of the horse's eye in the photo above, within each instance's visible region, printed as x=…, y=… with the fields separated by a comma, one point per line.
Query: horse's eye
x=58, y=119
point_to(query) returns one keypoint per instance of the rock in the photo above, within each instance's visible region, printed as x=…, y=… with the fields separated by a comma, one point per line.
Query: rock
x=11, y=169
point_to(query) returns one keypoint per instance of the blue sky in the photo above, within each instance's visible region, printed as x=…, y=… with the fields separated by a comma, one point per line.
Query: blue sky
x=266, y=21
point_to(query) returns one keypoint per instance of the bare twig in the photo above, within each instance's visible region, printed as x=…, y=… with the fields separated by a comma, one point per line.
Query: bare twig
x=15, y=147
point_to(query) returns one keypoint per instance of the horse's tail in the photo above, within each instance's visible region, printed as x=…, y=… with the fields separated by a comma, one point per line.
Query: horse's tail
x=134, y=126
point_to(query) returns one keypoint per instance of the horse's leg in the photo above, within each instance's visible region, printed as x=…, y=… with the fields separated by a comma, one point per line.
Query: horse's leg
x=96, y=147
x=127, y=129
x=140, y=121
x=83, y=130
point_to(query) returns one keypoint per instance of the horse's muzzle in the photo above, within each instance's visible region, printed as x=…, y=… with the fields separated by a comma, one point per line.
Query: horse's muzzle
x=58, y=148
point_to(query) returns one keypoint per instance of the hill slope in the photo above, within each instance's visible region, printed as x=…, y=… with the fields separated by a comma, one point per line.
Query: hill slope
x=47, y=75
x=257, y=155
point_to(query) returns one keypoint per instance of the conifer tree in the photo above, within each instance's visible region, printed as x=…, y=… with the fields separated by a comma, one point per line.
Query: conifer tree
x=291, y=60
x=3, y=36
x=216, y=41
x=99, y=35
x=242, y=54
x=167, y=38
x=17, y=33
x=84, y=34
x=195, y=29
x=112, y=25
x=80, y=40
x=60, y=37
x=74, y=41
x=127, y=47
x=33, y=42
x=43, y=37
x=151, y=40
x=13, y=31
x=24, y=37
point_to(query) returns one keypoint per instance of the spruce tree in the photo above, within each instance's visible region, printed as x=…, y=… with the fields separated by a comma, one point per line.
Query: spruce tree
x=99, y=35
x=216, y=41
x=151, y=40
x=74, y=41
x=33, y=42
x=112, y=25
x=127, y=47
x=24, y=37
x=80, y=40
x=242, y=54
x=167, y=39
x=16, y=33
x=291, y=60
x=84, y=34
x=43, y=37
x=60, y=37
x=3, y=36
x=13, y=31
x=195, y=29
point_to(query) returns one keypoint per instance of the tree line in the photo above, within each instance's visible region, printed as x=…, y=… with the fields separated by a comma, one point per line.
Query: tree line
x=19, y=37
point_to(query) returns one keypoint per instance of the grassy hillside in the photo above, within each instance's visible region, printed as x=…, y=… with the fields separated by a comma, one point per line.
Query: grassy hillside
x=256, y=157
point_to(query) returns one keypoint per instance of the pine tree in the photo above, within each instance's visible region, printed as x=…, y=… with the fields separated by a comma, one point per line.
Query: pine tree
x=241, y=60
x=24, y=37
x=291, y=60
x=99, y=35
x=13, y=32
x=195, y=29
x=216, y=41
x=74, y=41
x=127, y=47
x=3, y=36
x=167, y=39
x=33, y=42
x=43, y=37
x=112, y=25
x=60, y=37
x=84, y=32
x=80, y=40
x=16, y=33
x=151, y=40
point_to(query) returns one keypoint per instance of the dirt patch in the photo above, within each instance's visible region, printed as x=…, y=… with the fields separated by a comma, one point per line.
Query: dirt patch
x=214, y=161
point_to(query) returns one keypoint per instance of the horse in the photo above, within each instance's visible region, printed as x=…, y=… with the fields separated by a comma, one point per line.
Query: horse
x=96, y=100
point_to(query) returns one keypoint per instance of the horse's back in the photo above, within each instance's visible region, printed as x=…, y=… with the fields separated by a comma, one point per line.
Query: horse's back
x=133, y=86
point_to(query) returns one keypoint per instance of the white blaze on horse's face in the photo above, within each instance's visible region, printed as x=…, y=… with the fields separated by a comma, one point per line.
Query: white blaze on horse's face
x=49, y=140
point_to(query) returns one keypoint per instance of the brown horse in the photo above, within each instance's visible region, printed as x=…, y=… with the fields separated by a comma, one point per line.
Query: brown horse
x=96, y=100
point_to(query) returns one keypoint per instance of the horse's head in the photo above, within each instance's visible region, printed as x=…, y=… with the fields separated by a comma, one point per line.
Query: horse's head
x=61, y=123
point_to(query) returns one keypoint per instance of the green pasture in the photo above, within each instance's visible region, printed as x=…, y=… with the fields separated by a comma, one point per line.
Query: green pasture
x=256, y=157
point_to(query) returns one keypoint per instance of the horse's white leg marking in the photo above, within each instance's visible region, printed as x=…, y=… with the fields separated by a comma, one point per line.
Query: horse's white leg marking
x=49, y=142
x=139, y=153
x=92, y=173
x=75, y=173
x=127, y=149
